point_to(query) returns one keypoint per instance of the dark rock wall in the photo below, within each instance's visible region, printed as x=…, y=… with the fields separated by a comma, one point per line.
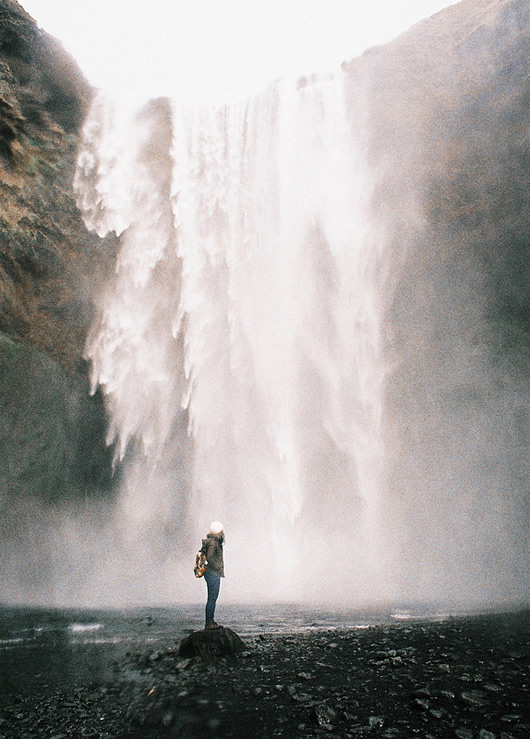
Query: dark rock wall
x=49, y=263
x=52, y=438
x=448, y=109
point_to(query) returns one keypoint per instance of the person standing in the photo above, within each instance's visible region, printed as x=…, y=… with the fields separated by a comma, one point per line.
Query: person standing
x=212, y=547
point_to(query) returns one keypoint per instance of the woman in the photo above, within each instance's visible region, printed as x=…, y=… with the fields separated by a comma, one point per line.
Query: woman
x=212, y=547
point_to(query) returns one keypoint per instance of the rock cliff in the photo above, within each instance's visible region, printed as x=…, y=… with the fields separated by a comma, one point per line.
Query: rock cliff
x=47, y=256
x=52, y=432
x=448, y=106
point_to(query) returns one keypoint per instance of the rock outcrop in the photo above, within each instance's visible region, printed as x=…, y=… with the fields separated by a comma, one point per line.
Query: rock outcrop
x=52, y=434
x=448, y=108
x=48, y=261
x=211, y=644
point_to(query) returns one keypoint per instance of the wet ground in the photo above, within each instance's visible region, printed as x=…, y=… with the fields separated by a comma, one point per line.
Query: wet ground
x=304, y=674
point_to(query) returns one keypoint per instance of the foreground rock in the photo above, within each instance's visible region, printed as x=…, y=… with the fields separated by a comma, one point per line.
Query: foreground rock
x=212, y=644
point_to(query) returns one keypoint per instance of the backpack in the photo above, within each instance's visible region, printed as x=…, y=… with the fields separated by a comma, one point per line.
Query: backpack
x=200, y=564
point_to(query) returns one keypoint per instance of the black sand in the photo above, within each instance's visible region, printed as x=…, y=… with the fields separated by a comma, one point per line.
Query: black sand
x=464, y=677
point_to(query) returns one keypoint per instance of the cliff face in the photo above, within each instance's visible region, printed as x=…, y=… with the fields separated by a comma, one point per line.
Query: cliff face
x=47, y=256
x=448, y=109
x=52, y=432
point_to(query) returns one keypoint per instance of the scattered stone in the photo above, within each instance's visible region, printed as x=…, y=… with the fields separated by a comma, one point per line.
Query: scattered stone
x=305, y=675
x=474, y=698
x=267, y=694
x=464, y=733
x=420, y=704
x=422, y=693
x=183, y=664
x=324, y=714
x=437, y=713
x=510, y=718
x=302, y=697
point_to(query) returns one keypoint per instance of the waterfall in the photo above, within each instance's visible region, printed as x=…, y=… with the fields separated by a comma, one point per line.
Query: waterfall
x=239, y=342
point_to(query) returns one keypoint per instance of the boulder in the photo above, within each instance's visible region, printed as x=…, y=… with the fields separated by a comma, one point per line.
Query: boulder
x=211, y=644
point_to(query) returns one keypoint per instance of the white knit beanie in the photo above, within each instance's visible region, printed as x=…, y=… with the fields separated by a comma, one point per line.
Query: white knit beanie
x=216, y=527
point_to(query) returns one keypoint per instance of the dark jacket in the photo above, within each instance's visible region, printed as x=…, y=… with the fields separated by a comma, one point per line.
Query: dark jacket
x=212, y=547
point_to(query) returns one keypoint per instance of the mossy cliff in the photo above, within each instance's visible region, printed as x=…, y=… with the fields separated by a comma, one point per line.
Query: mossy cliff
x=52, y=432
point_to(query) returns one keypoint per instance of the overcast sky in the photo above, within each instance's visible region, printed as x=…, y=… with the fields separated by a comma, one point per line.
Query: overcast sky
x=218, y=50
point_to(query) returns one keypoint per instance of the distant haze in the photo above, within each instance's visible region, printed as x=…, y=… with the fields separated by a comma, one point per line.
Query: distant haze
x=218, y=51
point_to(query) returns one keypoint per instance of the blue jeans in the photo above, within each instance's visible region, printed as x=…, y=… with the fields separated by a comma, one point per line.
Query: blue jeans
x=213, y=583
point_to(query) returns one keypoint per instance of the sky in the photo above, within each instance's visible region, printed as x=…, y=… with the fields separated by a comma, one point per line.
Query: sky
x=218, y=50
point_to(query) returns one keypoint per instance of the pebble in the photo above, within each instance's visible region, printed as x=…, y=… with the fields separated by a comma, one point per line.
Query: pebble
x=437, y=713
x=474, y=698
x=183, y=664
x=302, y=697
x=422, y=693
x=324, y=714
x=420, y=704
x=305, y=675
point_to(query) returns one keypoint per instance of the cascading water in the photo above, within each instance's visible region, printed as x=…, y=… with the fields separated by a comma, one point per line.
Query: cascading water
x=239, y=343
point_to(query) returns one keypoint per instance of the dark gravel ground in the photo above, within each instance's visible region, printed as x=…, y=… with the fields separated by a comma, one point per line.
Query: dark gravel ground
x=464, y=677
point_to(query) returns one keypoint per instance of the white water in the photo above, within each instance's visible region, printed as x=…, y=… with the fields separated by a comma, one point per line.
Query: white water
x=247, y=307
